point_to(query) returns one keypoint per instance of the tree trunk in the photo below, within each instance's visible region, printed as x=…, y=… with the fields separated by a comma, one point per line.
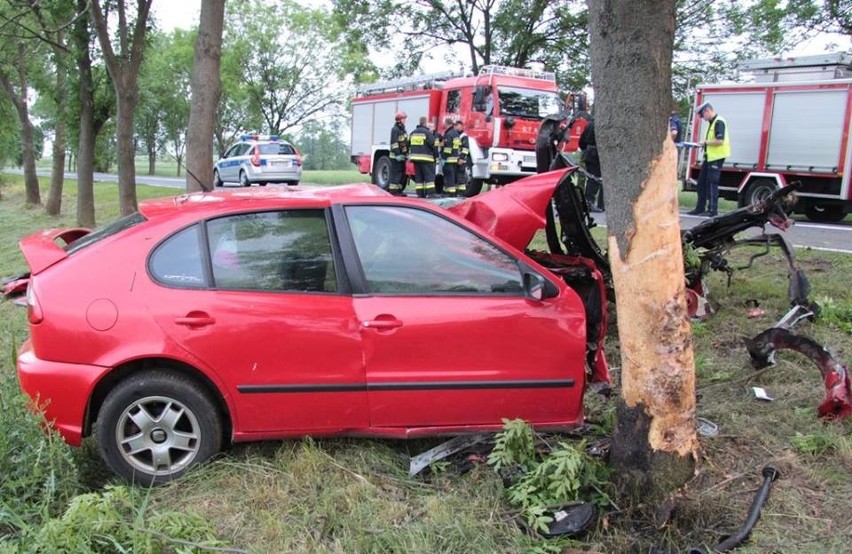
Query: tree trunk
x=206, y=87
x=126, y=98
x=86, y=138
x=60, y=138
x=655, y=447
x=152, y=158
x=124, y=71
x=18, y=95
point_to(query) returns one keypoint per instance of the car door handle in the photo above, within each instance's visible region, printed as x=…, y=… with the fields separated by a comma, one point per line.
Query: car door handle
x=381, y=324
x=195, y=319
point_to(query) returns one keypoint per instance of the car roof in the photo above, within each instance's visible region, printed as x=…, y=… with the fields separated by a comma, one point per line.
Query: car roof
x=225, y=201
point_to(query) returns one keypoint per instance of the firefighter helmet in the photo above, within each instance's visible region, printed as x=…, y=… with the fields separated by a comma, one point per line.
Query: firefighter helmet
x=400, y=115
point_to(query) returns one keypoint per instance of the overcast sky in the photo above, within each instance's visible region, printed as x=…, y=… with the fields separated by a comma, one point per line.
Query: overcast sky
x=184, y=14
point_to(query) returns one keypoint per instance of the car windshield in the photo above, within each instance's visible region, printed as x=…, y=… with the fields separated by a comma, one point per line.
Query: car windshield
x=276, y=148
x=528, y=103
x=113, y=228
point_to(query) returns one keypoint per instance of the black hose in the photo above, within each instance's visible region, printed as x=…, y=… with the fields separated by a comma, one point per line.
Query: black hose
x=769, y=474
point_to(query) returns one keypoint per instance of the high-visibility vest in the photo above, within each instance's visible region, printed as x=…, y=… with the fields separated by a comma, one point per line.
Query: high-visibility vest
x=717, y=151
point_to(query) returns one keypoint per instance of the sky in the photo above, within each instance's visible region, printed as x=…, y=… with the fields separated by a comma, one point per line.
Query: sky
x=184, y=14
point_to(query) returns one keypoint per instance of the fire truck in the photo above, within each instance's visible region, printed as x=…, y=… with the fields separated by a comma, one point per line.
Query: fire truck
x=792, y=123
x=502, y=108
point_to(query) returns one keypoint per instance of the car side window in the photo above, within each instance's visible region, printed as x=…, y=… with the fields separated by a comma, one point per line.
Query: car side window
x=406, y=250
x=232, y=151
x=244, y=149
x=286, y=250
x=177, y=260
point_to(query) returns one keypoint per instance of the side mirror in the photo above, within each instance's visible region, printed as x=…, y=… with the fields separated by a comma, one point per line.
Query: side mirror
x=539, y=288
x=480, y=94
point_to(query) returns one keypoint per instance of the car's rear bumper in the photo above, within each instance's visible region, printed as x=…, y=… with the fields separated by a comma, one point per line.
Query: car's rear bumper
x=272, y=174
x=60, y=390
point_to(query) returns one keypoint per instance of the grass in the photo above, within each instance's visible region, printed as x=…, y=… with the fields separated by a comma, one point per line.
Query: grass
x=354, y=495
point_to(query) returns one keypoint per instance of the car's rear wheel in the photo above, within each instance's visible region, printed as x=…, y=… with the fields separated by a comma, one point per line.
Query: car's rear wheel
x=154, y=426
x=217, y=181
x=244, y=180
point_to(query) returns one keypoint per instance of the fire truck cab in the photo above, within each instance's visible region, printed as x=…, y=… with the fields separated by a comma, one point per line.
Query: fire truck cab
x=501, y=107
x=791, y=124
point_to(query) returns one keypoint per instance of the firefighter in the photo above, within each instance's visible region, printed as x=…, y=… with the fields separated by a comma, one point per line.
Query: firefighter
x=398, y=153
x=423, y=151
x=464, y=159
x=450, y=143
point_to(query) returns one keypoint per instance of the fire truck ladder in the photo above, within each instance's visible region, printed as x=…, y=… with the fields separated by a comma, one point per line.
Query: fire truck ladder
x=420, y=82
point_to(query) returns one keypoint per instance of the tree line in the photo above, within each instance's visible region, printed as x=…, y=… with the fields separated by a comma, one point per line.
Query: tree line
x=104, y=82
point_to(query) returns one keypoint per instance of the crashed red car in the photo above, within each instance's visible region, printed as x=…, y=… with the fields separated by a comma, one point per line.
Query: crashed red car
x=221, y=317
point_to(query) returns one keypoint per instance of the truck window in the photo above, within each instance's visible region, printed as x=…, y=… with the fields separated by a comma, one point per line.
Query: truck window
x=453, y=101
x=528, y=103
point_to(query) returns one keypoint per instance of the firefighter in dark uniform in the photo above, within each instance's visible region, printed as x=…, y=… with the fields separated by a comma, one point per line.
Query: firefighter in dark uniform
x=398, y=153
x=464, y=159
x=450, y=157
x=423, y=152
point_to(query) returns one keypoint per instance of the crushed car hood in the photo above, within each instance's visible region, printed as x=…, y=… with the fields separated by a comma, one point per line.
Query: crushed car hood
x=514, y=212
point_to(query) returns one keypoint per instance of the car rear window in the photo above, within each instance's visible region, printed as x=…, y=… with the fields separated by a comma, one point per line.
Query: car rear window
x=117, y=226
x=276, y=148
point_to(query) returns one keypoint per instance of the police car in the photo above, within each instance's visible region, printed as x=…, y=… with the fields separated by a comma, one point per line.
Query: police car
x=259, y=159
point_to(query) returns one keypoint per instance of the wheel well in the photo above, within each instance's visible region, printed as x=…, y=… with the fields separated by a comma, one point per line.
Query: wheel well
x=119, y=373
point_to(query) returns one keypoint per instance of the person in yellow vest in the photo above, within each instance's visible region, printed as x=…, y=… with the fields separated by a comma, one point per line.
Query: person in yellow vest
x=717, y=147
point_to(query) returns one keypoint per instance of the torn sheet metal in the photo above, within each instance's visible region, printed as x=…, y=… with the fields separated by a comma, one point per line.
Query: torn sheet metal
x=422, y=461
x=838, y=394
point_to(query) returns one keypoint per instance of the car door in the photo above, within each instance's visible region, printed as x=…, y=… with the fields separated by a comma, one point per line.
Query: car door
x=267, y=316
x=451, y=337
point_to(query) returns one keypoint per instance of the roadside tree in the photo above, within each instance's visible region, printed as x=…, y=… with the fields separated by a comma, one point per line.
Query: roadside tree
x=655, y=445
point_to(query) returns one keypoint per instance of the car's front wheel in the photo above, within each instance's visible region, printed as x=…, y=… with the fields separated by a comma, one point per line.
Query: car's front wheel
x=217, y=180
x=154, y=426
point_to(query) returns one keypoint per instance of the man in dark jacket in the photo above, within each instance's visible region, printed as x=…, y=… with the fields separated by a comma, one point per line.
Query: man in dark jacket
x=450, y=157
x=423, y=152
x=464, y=159
x=398, y=153
x=592, y=163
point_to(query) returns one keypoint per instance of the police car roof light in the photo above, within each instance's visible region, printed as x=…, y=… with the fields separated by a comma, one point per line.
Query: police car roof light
x=256, y=136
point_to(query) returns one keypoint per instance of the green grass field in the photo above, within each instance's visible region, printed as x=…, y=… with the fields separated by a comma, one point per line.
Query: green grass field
x=354, y=495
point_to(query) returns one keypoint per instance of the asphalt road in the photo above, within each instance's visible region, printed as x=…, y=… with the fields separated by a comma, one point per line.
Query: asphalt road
x=831, y=237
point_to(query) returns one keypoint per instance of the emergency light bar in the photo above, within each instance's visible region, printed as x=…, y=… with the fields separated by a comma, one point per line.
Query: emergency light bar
x=256, y=136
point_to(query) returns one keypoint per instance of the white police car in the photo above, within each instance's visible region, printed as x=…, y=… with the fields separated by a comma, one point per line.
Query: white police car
x=259, y=159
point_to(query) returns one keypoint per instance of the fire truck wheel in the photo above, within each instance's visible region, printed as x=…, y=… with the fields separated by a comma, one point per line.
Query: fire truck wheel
x=381, y=172
x=825, y=213
x=758, y=190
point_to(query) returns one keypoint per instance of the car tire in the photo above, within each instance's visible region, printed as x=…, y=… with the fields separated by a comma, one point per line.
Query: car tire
x=262, y=184
x=381, y=173
x=182, y=427
x=825, y=213
x=292, y=183
x=217, y=181
x=244, y=180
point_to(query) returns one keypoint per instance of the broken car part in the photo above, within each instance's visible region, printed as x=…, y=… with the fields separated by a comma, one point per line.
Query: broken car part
x=422, y=461
x=770, y=474
x=571, y=521
x=838, y=395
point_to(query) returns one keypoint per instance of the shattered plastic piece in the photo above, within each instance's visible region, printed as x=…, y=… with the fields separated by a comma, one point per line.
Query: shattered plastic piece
x=756, y=312
x=707, y=428
x=761, y=394
x=838, y=394
x=571, y=520
x=422, y=461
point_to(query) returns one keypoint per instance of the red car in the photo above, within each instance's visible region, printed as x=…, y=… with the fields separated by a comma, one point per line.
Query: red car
x=262, y=314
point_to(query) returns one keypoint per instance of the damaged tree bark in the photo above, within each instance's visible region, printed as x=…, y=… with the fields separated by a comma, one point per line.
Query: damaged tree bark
x=655, y=446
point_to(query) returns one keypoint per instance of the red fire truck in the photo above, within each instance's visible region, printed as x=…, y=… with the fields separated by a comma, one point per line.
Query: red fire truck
x=502, y=108
x=791, y=124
